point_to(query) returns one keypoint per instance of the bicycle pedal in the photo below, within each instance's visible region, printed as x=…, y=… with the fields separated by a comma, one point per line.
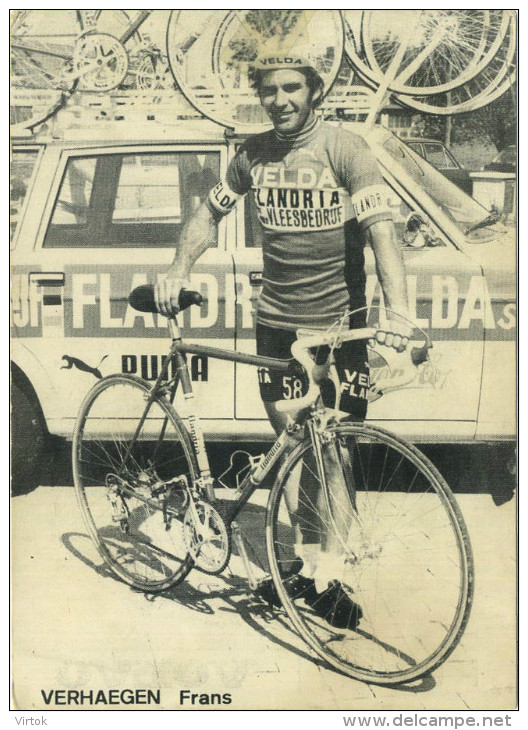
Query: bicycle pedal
x=266, y=592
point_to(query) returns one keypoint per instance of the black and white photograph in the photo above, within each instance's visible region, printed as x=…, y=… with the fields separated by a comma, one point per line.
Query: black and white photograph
x=263, y=351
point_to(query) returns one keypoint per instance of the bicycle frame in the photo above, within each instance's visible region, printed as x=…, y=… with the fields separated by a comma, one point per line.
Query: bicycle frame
x=285, y=441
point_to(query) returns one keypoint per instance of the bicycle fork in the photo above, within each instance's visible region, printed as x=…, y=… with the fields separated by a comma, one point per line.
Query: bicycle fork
x=322, y=440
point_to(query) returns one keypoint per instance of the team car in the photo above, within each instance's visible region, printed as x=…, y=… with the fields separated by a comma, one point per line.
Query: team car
x=97, y=213
x=443, y=159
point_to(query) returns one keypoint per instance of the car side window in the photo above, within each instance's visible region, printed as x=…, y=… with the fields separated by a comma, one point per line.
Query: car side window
x=435, y=154
x=75, y=194
x=20, y=173
x=130, y=200
x=417, y=148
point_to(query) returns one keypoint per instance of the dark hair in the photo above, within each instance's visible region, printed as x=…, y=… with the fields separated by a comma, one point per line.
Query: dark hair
x=313, y=80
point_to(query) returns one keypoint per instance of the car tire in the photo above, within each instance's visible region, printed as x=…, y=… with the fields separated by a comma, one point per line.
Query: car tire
x=28, y=438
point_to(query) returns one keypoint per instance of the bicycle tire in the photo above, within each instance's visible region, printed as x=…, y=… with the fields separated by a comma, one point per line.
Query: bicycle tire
x=463, y=57
x=358, y=48
x=411, y=620
x=354, y=48
x=125, y=454
x=483, y=89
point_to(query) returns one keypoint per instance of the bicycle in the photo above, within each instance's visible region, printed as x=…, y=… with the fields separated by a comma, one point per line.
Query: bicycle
x=400, y=545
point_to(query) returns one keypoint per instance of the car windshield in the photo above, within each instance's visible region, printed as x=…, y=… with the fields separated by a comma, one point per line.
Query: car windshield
x=470, y=217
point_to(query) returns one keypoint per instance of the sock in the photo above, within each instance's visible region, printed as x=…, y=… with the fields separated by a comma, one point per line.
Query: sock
x=309, y=554
x=329, y=567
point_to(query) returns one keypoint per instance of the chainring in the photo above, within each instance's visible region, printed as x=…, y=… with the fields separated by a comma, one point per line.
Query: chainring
x=100, y=61
x=208, y=542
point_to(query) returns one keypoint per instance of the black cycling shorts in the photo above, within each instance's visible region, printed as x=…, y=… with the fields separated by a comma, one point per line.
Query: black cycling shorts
x=351, y=363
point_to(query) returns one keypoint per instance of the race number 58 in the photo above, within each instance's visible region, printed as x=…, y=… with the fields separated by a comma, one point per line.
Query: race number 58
x=291, y=387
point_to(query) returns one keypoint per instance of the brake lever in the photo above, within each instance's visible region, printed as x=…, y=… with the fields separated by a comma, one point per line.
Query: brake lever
x=420, y=355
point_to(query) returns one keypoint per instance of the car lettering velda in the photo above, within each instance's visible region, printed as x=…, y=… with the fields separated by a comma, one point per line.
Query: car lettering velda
x=94, y=304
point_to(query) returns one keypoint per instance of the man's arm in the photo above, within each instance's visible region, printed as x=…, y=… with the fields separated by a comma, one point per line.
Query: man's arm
x=198, y=234
x=391, y=274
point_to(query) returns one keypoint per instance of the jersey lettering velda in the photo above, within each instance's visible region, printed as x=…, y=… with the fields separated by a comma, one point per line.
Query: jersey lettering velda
x=314, y=196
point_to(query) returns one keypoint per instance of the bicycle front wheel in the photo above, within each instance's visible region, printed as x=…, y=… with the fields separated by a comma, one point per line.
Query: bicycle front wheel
x=394, y=548
x=131, y=468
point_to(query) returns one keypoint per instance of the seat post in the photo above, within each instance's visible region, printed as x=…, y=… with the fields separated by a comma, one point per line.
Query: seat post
x=174, y=328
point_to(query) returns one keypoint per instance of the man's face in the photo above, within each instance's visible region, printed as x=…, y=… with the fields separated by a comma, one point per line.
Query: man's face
x=285, y=96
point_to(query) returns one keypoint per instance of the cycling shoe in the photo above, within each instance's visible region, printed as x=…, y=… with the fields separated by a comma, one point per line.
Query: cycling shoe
x=297, y=586
x=335, y=606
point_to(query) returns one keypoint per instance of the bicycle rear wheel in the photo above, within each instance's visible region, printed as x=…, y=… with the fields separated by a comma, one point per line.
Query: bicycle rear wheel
x=400, y=552
x=130, y=471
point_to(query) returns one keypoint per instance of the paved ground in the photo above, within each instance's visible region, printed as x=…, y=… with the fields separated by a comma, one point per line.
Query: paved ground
x=76, y=627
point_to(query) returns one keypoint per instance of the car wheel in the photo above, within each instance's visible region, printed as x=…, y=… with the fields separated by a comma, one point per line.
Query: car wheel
x=28, y=436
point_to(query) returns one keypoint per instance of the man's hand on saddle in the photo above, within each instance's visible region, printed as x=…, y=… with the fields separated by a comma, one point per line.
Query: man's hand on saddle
x=167, y=293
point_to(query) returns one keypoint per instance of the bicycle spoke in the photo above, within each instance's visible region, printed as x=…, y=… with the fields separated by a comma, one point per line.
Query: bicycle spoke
x=28, y=48
x=402, y=589
x=137, y=526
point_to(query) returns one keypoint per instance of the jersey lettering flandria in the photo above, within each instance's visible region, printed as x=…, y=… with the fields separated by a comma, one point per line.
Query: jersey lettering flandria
x=296, y=198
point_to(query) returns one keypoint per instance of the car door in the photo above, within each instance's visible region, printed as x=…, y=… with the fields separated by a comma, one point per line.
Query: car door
x=447, y=299
x=112, y=221
x=446, y=293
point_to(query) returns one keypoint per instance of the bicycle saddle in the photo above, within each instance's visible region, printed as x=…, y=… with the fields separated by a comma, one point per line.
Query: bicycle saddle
x=142, y=298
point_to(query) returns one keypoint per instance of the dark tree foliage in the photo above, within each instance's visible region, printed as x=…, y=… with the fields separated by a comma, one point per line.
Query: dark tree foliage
x=495, y=123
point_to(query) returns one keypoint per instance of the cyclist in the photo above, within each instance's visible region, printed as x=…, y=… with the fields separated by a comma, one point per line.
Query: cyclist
x=319, y=198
